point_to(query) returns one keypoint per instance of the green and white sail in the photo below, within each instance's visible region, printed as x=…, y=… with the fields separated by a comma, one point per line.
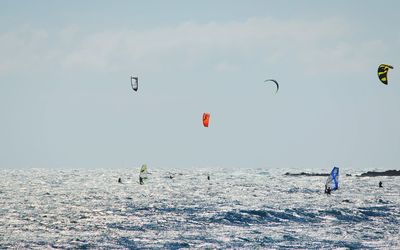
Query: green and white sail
x=143, y=171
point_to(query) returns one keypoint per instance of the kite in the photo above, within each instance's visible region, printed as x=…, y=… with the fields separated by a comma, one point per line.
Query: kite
x=206, y=119
x=277, y=85
x=383, y=71
x=135, y=83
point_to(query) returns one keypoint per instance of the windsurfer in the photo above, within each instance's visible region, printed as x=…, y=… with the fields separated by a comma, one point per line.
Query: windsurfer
x=327, y=190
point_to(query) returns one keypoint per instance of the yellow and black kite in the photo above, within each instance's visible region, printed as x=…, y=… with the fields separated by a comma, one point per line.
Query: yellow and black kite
x=383, y=71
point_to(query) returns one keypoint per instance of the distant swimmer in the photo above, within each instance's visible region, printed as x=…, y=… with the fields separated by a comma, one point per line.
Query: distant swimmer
x=141, y=180
x=171, y=177
x=208, y=177
x=380, y=184
x=119, y=180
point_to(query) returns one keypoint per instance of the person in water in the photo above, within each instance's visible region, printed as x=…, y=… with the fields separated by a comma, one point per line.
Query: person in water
x=119, y=180
x=141, y=180
x=208, y=177
x=380, y=184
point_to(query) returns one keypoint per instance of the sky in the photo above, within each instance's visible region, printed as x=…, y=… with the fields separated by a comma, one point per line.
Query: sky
x=66, y=99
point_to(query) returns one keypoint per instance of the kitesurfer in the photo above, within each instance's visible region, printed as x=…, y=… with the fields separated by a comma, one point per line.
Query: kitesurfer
x=119, y=180
x=141, y=180
x=380, y=184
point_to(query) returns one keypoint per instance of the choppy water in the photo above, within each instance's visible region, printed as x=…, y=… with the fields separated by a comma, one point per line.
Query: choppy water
x=235, y=209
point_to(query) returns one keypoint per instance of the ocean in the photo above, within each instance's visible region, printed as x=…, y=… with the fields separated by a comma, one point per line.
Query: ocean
x=236, y=208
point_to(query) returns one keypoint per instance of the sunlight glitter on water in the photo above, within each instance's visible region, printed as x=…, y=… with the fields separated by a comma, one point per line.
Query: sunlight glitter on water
x=235, y=209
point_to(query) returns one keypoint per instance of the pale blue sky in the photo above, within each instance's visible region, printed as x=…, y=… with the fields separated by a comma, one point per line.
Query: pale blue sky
x=65, y=97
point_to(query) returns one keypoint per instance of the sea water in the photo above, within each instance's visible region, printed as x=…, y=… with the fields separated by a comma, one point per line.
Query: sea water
x=236, y=208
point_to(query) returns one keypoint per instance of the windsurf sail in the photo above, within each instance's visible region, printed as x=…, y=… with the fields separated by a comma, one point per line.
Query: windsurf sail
x=333, y=179
x=143, y=172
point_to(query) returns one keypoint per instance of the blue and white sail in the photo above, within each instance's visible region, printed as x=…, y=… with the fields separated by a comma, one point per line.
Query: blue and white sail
x=333, y=179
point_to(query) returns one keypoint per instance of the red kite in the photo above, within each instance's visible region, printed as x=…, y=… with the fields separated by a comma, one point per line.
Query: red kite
x=206, y=119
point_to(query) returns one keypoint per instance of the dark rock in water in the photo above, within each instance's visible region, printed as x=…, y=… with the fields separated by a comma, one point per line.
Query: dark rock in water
x=385, y=173
x=305, y=174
